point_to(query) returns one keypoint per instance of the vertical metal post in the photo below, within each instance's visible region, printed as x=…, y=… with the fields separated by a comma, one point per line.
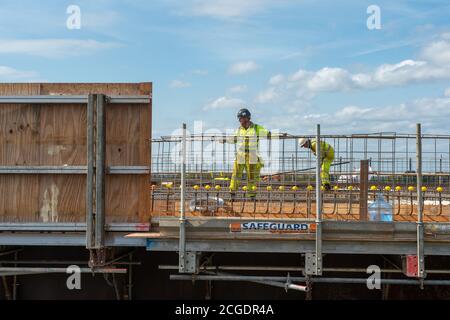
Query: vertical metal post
x=363, y=189
x=90, y=174
x=393, y=162
x=100, y=174
x=420, y=240
x=182, y=244
x=295, y=163
x=130, y=277
x=448, y=161
x=318, y=269
x=14, y=289
x=282, y=161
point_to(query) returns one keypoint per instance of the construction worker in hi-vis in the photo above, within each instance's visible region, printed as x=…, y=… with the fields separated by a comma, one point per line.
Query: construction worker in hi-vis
x=247, y=138
x=327, y=155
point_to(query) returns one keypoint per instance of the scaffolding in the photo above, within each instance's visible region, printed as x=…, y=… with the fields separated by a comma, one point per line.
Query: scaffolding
x=287, y=184
x=198, y=216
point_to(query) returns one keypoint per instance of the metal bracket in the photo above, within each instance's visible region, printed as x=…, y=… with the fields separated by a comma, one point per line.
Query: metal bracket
x=313, y=265
x=190, y=262
x=410, y=266
x=98, y=257
x=420, y=268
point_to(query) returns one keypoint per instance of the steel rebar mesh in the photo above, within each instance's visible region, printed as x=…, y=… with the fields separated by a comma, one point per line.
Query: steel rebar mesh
x=288, y=176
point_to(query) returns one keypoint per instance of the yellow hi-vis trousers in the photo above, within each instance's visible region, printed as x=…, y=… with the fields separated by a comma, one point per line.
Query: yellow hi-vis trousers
x=325, y=169
x=253, y=176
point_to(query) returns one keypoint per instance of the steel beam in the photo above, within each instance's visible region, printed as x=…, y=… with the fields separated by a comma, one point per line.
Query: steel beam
x=43, y=169
x=11, y=271
x=66, y=262
x=100, y=155
x=78, y=239
x=90, y=180
x=69, y=226
x=288, y=269
x=302, y=279
x=128, y=170
x=301, y=246
x=118, y=239
x=71, y=99
x=71, y=169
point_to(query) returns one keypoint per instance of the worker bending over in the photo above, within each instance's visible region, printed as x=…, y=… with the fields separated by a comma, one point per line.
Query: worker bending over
x=327, y=157
x=247, y=158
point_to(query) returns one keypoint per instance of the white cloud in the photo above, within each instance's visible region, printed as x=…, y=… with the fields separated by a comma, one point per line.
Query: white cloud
x=224, y=9
x=179, y=84
x=238, y=89
x=435, y=65
x=329, y=79
x=242, y=67
x=277, y=79
x=433, y=113
x=268, y=95
x=11, y=74
x=438, y=52
x=53, y=48
x=224, y=102
x=408, y=71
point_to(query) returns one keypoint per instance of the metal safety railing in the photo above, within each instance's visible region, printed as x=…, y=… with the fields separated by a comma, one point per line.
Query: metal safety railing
x=288, y=187
x=211, y=201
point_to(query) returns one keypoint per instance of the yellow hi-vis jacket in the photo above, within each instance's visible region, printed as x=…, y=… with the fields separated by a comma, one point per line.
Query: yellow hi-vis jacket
x=247, y=141
x=326, y=150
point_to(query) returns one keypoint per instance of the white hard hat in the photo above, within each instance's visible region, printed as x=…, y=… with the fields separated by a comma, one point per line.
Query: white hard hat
x=302, y=141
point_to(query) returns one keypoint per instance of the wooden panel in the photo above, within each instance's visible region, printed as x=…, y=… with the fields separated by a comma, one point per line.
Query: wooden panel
x=105, y=88
x=63, y=134
x=122, y=198
x=122, y=135
x=42, y=198
x=25, y=89
x=62, y=198
x=19, y=198
x=19, y=135
x=52, y=134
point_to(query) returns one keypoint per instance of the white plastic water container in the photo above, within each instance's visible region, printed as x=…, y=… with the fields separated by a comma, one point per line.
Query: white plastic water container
x=380, y=209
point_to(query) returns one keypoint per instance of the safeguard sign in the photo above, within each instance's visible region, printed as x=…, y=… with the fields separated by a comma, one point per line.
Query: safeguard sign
x=272, y=227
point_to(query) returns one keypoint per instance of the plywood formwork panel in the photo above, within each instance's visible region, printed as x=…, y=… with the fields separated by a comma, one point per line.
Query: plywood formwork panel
x=42, y=198
x=62, y=198
x=62, y=135
x=122, y=139
x=19, y=198
x=19, y=135
x=23, y=89
x=122, y=198
x=55, y=135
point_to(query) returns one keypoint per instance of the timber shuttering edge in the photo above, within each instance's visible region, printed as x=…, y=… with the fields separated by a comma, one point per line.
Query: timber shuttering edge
x=43, y=156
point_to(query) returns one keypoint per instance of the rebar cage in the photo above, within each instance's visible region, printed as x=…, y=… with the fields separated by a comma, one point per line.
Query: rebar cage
x=288, y=176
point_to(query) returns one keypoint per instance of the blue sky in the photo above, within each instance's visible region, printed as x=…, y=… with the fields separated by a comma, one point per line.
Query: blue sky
x=293, y=63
